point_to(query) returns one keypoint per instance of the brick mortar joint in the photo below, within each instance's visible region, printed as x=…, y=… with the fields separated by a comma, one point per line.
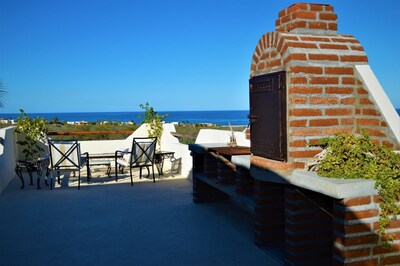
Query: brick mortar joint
x=357, y=247
x=361, y=207
x=361, y=259
x=354, y=235
x=340, y=221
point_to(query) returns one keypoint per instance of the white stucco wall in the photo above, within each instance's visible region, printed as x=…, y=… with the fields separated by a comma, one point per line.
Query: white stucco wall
x=7, y=157
x=171, y=143
x=110, y=146
x=221, y=136
x=168, y=143
x=382, y=100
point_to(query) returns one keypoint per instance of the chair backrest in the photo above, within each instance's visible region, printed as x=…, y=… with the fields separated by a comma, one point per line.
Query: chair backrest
x=65, y=154
x=143, y=150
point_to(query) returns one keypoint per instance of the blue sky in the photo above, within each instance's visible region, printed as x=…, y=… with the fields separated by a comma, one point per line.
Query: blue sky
x=100, y=55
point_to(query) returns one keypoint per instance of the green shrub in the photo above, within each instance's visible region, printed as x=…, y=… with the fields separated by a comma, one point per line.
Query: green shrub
x=32, y=130
x=154, y=120
x=357, y=156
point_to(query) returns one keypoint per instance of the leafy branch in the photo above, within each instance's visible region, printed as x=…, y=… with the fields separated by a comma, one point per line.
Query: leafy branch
x=33, y=130
x=357, y=156
x=154, y=120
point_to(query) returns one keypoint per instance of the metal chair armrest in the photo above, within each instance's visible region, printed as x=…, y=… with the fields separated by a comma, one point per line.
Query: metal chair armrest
x=119, y=153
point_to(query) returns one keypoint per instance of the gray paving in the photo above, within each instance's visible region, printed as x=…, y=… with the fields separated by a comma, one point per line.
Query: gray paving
x=108, y=223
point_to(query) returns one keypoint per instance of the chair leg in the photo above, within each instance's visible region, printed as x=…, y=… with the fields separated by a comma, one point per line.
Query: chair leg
x=109, y=170
x=130, y=168
x=154, y=179
x=148, y=171
x=140, y=172
x=51, y=180
x=79, y=179
x=116, y=171
x=58, y=175
x=89, y=173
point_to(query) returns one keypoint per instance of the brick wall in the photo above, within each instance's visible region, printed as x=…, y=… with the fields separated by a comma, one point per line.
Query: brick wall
x=325, y=94
x=355, y=223
x=315, y=229
x=269, y=214
x=308, y=227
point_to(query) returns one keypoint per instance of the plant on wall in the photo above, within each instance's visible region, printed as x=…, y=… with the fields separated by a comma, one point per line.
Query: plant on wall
x=357, y=156
x=33, y=130
x=154, y=120
x=232, y=138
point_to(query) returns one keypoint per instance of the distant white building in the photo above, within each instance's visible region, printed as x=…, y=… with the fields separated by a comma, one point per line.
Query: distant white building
x=5, y=121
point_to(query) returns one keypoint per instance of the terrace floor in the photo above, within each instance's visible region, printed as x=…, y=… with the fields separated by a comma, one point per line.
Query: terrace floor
x=109, y=223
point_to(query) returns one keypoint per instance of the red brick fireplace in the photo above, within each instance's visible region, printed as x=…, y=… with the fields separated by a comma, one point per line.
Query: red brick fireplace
x=325, y=92
x=307, y=82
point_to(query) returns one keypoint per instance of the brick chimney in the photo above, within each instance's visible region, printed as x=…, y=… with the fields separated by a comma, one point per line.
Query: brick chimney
x=307, y=19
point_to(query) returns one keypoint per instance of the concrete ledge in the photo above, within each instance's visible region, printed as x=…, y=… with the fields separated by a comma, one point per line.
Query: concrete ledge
x=335, y=188
x=332, y=187
x=203, y=148
x=242, y=161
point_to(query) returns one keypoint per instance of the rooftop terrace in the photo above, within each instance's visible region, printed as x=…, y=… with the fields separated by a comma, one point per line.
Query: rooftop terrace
x=109, y=223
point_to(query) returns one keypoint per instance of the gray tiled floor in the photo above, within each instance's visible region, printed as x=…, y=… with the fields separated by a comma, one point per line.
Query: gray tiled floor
x=109, y=223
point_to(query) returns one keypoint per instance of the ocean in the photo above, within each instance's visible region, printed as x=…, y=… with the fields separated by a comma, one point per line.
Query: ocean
x=234, y=117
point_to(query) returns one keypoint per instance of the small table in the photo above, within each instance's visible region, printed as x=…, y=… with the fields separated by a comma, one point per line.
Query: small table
x=100, y=159
x=159, y=158
x=33, y=165
x=228, y=152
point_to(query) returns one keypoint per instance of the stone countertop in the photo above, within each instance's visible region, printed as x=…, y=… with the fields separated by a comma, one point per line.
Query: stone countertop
x=206, y=147
x=332, y=187
x=203, y=147
x=242, y=161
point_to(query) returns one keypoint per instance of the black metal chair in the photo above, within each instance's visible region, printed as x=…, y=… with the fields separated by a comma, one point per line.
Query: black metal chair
x=65, y=155
x=141, y=155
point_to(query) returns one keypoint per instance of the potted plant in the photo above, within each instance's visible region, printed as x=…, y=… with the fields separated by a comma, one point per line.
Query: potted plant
x=154, y=120
x=31, y=130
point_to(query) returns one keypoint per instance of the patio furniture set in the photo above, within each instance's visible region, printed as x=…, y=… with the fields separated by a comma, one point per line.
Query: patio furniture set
x=66, y=156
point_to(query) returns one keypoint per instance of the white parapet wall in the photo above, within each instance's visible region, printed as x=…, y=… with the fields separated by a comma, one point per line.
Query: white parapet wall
x=182, y=152
x=110, y=146
x=382, y=100
x=10, y=152
x=8, y=156
x=221, y=136
x=168, y=143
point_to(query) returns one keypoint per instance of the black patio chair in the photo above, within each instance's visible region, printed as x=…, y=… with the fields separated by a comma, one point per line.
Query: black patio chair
x=65, y=155
x=141, y=155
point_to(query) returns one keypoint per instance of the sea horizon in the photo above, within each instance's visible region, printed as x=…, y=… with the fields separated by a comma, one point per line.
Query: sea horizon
x=218, y=117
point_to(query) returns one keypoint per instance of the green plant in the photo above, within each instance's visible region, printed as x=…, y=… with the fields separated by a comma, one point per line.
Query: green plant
x=357, y=156
x=154, y=120
x=33, y=130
